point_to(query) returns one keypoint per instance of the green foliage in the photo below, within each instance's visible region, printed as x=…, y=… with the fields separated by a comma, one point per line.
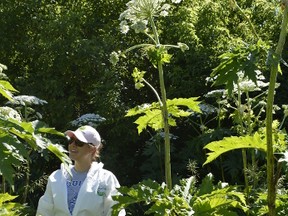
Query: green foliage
x=9, y=208
x=6, y=89
x=18, y=138
x=156, y=196
x=259, y=208
x=138, y=78
x=151, y=114
x=52, y=45
x=254, y=141
x=15, y=134
x=158, y=55
x=242, y=58
x=231, y=143
x=57, y=50
x=184, y=199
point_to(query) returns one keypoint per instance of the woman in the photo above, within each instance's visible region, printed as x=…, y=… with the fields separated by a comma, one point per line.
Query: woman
x=89, y=190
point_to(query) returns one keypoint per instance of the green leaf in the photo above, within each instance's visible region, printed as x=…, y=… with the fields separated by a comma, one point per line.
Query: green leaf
x=6, y=85
x=191, y=103
x=12, y=153
x=212, y=203
x=6, y=89
x=51, y=131
x=7, y=163
x=152, y=113
x=158, y=55
x=219, y=202
x=206, y=185
x=231, y=143
x=242, y=58
x=60, y=152
x=188, y=184
x=7, y=207
x=6, y=197
x=27, y=137
x=138, y=77
x=152, y=118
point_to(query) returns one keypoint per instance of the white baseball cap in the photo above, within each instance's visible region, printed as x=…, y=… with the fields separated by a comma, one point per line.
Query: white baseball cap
x=86, y=134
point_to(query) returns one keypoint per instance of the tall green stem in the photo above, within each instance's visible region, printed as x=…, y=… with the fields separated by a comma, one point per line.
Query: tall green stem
x=269, y=114
x=244, y=154
x=164, y=113
x=250, y=130
x=166, y=129
x=247, y=19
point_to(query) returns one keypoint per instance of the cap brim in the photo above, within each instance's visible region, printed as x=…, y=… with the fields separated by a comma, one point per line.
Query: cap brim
x=79, y=136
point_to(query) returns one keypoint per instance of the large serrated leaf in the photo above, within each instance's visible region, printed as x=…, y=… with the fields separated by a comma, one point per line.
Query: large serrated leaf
x=51, y=131
x=191, y=103
x=6, y=89
x=231, y=143
x=152, y=118
x=7, y=163
x=152, y=113
x=243, y=58
x=60, y=152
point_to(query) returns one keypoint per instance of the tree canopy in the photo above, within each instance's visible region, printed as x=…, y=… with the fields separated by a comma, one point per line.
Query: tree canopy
x=58, y=51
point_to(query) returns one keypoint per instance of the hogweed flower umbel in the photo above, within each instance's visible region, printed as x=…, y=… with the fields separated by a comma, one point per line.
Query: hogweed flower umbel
x=138, y=13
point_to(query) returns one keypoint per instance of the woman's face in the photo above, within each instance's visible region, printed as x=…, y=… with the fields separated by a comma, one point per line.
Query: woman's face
x=79, y=151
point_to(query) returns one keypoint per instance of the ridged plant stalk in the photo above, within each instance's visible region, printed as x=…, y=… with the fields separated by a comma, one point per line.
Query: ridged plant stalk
x=164, y=111
x=250, y=131
x=234, y=2
x=269, y=113
x=244, y=153
x=138, y=15
x=27, y=179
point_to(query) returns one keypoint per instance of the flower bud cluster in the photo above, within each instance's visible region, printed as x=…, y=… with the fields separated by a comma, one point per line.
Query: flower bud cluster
x=139, y=12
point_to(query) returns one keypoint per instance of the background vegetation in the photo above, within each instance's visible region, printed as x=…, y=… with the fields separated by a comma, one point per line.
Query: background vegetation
x=58, y=51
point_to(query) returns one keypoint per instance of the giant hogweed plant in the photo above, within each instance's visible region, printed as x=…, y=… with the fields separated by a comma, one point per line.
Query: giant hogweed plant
x=186, y=199
x=18, y=137
x=24, y=105
x=8, y=207
x=246, y=105
x=268, y=139
x=141, y=16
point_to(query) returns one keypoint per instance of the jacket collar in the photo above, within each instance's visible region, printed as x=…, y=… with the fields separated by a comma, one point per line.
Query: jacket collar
x=95, y=166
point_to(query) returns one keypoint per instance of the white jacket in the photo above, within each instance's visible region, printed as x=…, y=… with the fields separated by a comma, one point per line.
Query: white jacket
x=94, y=197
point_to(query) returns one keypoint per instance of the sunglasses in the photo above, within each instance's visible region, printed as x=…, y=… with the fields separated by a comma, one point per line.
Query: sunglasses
x=77, y=142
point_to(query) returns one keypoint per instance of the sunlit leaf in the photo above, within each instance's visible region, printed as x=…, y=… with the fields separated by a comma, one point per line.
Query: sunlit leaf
x=51, y=131
x=243, y=58
x=217, y=148
x=152, y=113
x=60, y=152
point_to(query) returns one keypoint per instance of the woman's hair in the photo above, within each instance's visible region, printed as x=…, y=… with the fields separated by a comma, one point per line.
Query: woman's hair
x=96, y=156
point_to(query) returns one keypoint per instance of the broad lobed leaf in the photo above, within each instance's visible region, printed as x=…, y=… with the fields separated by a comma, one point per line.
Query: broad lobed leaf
x=231, y=143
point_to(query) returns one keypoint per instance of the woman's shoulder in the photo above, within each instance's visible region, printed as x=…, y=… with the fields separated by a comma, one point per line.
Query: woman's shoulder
x=62, y=171
x=55, y=174
x=102, y=172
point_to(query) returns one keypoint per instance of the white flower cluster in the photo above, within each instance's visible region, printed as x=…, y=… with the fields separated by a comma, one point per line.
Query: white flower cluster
x=284, y=158
x=218, y=93
x=247, y=85
x=26, y=100
x=207, y=109
x=114, y=57
x=285, y=109
x=2, y=67
x=9, y=113
x=88, y=119
x=138, y=13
